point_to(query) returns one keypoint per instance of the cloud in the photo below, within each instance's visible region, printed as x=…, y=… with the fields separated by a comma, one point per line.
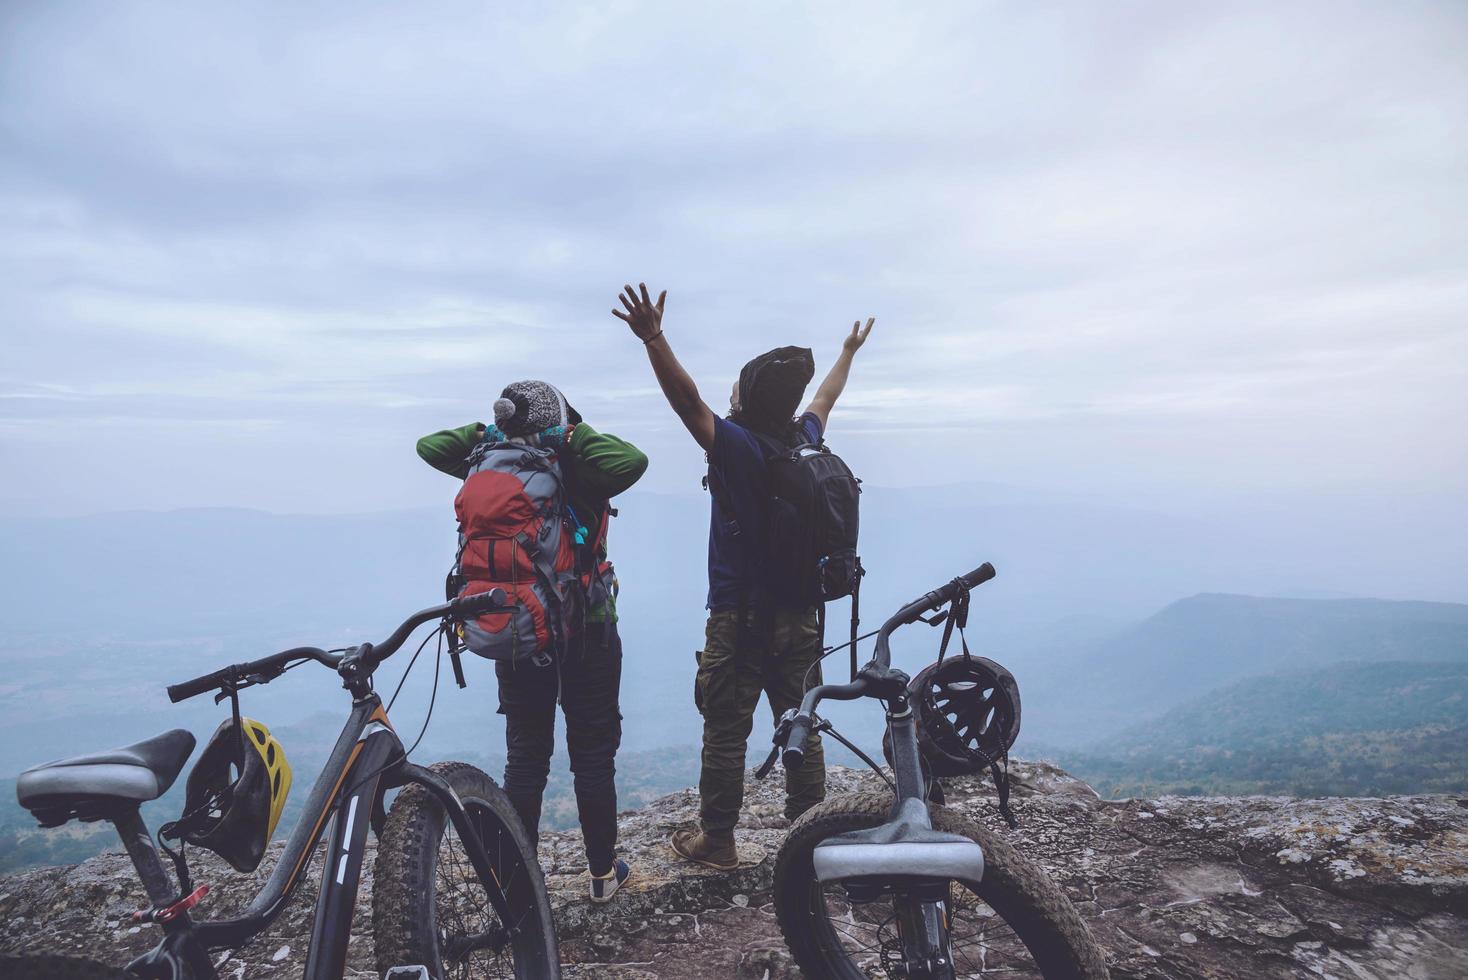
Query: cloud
x=1143, y=229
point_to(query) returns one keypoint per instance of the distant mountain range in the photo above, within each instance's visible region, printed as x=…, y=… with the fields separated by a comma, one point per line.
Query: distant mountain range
x=1091, y=691
x=1233, y=694
x=1349, y=729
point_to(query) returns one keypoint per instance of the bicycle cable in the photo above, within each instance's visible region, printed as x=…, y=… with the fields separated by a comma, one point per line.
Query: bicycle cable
x=826, y=652
x=432, y=700
x=433, y=697
x=401, y=680
x=830, y=650
x=805, y=682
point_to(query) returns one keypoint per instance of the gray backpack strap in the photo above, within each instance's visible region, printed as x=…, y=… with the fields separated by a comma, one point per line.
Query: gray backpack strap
x=555, y=612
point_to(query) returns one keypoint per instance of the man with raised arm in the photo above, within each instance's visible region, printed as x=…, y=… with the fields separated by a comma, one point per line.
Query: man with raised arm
x=755, y=641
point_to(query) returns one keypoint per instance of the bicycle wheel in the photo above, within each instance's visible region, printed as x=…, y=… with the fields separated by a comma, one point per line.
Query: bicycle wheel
x=428, y=907
x=1014, y=923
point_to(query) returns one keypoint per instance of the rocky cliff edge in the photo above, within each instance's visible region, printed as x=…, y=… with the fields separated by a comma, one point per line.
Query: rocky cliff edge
x=1174, y=887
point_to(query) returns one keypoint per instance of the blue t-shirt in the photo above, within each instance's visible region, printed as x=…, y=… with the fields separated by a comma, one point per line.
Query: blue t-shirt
x=738, y=462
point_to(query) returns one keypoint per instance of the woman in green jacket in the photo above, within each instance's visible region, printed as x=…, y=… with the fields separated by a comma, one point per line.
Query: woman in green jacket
x=597, y=467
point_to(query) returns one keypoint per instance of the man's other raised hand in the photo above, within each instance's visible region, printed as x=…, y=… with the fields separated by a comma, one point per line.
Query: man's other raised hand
x=858, y=335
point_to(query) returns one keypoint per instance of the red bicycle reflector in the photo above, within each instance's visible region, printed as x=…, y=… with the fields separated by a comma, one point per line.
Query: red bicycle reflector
x=175, y=910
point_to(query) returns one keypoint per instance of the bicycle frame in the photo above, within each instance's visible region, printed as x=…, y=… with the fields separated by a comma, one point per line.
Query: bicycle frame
x=367, y=760
x=923, y=922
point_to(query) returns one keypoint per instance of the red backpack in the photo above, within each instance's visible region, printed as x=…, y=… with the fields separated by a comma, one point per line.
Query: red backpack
x=515, y=534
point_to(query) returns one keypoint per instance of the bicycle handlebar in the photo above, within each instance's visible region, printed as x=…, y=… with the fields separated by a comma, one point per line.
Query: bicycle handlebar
x=794, y=753
x=374, y=654
x=265, y=665
x=914, y=610
x=940, y=596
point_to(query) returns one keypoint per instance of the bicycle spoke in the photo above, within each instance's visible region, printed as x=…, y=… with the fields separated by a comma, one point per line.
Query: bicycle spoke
x=981, y=943
x=462, y=906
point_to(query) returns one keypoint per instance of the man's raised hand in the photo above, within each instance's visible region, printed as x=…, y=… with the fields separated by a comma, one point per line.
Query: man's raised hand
x=858, y=335
x=643, y=315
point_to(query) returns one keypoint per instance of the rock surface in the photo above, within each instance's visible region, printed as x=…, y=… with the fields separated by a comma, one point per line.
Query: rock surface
x=1174, y=887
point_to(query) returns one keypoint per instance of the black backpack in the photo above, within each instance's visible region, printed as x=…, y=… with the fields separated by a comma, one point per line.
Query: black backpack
x=808, y=543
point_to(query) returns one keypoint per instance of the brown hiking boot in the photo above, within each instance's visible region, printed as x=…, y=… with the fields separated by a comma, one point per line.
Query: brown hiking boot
x=710, y=850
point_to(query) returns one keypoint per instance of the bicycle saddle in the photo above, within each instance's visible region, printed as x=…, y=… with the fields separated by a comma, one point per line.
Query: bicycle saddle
x=907, y=845
x=89, y=785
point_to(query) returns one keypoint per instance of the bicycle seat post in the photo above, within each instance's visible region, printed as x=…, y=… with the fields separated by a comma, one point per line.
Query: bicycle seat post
x=139, y=845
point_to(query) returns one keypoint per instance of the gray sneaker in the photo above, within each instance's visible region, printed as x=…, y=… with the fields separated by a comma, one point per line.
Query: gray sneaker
x=605, y=886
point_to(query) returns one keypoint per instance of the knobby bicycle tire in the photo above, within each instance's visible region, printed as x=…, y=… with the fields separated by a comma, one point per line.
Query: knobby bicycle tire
x=407, y=902
x=1016, y=889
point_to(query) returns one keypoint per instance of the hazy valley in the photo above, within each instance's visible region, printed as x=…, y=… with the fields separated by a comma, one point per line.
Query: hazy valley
x=1149, y=655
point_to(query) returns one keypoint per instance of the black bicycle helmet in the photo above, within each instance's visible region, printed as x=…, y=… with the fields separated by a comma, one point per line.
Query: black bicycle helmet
x=967, y=714
x=235, y=794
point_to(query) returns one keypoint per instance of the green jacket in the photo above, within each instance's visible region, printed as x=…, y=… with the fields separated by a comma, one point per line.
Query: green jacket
x=602, y=466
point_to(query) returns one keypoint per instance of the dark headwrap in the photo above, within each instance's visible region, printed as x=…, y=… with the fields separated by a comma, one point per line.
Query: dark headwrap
x=770, y=389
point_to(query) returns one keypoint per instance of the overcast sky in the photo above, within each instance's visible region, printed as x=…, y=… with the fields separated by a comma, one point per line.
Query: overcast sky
x=249, y=252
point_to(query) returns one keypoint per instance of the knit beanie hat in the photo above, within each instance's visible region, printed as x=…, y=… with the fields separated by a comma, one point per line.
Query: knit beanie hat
x=527, y=407
x=770, y=388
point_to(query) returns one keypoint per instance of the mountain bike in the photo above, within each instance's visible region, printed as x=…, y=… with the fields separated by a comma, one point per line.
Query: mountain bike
x=878, y=885
x=457, y=892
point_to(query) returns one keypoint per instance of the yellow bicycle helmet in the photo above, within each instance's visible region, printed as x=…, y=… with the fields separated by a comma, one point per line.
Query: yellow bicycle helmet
x=236, y=817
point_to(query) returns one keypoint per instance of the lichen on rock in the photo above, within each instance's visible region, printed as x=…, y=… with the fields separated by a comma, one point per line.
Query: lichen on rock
x=1173, y=887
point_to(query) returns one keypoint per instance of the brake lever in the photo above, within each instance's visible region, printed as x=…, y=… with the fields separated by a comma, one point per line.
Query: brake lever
x=782, y=733
x=934, y=620
x=247, y=680
x=266, y=676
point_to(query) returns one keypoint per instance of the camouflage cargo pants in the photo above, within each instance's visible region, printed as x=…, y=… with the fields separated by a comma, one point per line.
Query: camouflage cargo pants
x=770, y=655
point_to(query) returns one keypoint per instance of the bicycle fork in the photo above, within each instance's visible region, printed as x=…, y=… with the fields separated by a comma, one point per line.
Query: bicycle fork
x=922, y=926
x=922, y=909
x=341, y=873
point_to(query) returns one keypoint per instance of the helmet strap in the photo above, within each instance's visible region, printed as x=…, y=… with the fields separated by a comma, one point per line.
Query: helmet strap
x=233, y=693
x=1001, y=785
x=180, y=863
x=956, y=615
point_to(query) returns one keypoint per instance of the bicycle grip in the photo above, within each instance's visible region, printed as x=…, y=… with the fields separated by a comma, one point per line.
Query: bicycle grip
x=794, y=756
x=979, y=575
x=480, y=602
x=208, y=682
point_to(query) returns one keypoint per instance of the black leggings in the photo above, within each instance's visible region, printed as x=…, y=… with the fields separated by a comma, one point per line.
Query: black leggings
x=590, y=678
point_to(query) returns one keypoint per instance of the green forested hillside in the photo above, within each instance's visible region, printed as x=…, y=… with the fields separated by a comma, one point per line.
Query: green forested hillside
x=1088, y=695
x=1351, y=729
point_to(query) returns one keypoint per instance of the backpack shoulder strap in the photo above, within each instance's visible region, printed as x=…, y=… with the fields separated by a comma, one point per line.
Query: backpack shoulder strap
x=770, y=449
